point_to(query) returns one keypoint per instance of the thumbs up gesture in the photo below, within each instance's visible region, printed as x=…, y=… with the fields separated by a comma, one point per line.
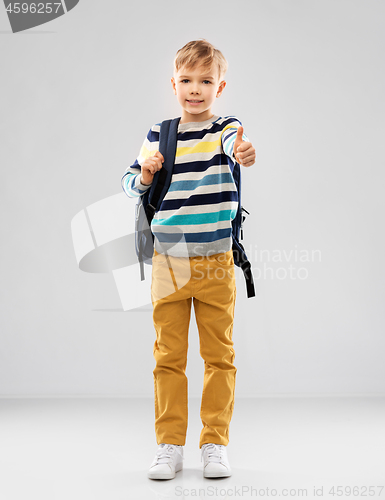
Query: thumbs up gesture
x=243, y=151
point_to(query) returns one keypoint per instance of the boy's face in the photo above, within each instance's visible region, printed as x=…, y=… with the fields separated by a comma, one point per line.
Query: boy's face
x=197, y=85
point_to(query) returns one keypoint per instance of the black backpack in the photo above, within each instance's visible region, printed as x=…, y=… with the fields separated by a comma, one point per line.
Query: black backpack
x=150, y=202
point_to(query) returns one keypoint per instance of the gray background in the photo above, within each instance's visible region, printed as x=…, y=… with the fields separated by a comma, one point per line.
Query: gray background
x=78, y=96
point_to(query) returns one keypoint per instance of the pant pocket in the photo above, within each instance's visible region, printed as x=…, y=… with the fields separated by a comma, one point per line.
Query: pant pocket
x=225, y=259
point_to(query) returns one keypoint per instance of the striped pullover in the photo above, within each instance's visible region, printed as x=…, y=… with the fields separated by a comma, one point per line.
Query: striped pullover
x=195, y=216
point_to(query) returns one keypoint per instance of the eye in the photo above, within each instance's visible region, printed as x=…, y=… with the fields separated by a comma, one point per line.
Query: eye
x=208, y=81
x=185, y=80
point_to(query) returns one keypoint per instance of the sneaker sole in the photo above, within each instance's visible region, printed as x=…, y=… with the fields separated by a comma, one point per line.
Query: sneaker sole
x=217, y=474
x=159, y=475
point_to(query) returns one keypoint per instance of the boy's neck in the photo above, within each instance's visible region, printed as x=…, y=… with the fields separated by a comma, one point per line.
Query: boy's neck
x=189, y=118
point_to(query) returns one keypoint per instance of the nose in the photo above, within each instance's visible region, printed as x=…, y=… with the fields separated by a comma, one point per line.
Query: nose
x=194, y=89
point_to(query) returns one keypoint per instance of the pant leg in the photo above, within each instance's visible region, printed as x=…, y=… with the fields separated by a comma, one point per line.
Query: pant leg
x=214, y=303
x=171, y=315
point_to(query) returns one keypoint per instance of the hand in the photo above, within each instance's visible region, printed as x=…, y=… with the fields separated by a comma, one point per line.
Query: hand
x=150, y=166
x=243, y=151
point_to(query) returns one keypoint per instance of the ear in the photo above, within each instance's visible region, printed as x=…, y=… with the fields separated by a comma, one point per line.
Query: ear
x=222, y=85
x=173, y=84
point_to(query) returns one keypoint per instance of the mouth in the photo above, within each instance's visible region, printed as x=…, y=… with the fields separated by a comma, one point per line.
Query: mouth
x=193, y=101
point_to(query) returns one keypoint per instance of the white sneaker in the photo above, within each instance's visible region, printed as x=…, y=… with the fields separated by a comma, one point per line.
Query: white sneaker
x=168, y=460
x=216, y=463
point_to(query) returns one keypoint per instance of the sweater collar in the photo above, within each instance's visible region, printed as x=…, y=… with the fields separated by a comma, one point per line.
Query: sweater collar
x=182, y=127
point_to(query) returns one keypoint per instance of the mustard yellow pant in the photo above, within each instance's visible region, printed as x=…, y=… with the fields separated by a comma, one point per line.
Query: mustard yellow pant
x=210, y=283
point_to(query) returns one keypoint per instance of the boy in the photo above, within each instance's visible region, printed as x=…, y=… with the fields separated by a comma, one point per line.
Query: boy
x=193, y=228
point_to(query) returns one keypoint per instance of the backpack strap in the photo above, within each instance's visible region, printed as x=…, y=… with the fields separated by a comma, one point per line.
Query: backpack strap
x=244, y=264
x=153, y=197
x=162, y=178
x=240, y=257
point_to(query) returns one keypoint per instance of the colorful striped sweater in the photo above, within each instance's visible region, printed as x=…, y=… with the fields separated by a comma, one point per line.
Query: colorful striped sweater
x=195, y=216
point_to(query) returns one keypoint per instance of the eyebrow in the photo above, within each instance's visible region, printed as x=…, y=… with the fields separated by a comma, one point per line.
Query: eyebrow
x=205, y=76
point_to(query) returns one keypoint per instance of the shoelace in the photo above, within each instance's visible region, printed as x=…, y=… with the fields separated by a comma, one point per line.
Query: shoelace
x=164, y=453
x=214, y=452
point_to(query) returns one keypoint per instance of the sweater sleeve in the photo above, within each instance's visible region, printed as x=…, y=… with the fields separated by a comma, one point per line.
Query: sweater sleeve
x=132, y=179
x=229, y=134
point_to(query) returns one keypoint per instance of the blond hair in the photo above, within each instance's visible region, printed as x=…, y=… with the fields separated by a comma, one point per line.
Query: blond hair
x=200, y=52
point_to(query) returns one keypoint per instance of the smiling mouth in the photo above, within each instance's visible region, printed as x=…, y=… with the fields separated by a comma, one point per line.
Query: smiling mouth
x=194, y=101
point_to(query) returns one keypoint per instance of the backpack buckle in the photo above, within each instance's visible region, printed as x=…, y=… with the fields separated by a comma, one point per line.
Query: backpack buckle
x=151, y=210
x=243, y=217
